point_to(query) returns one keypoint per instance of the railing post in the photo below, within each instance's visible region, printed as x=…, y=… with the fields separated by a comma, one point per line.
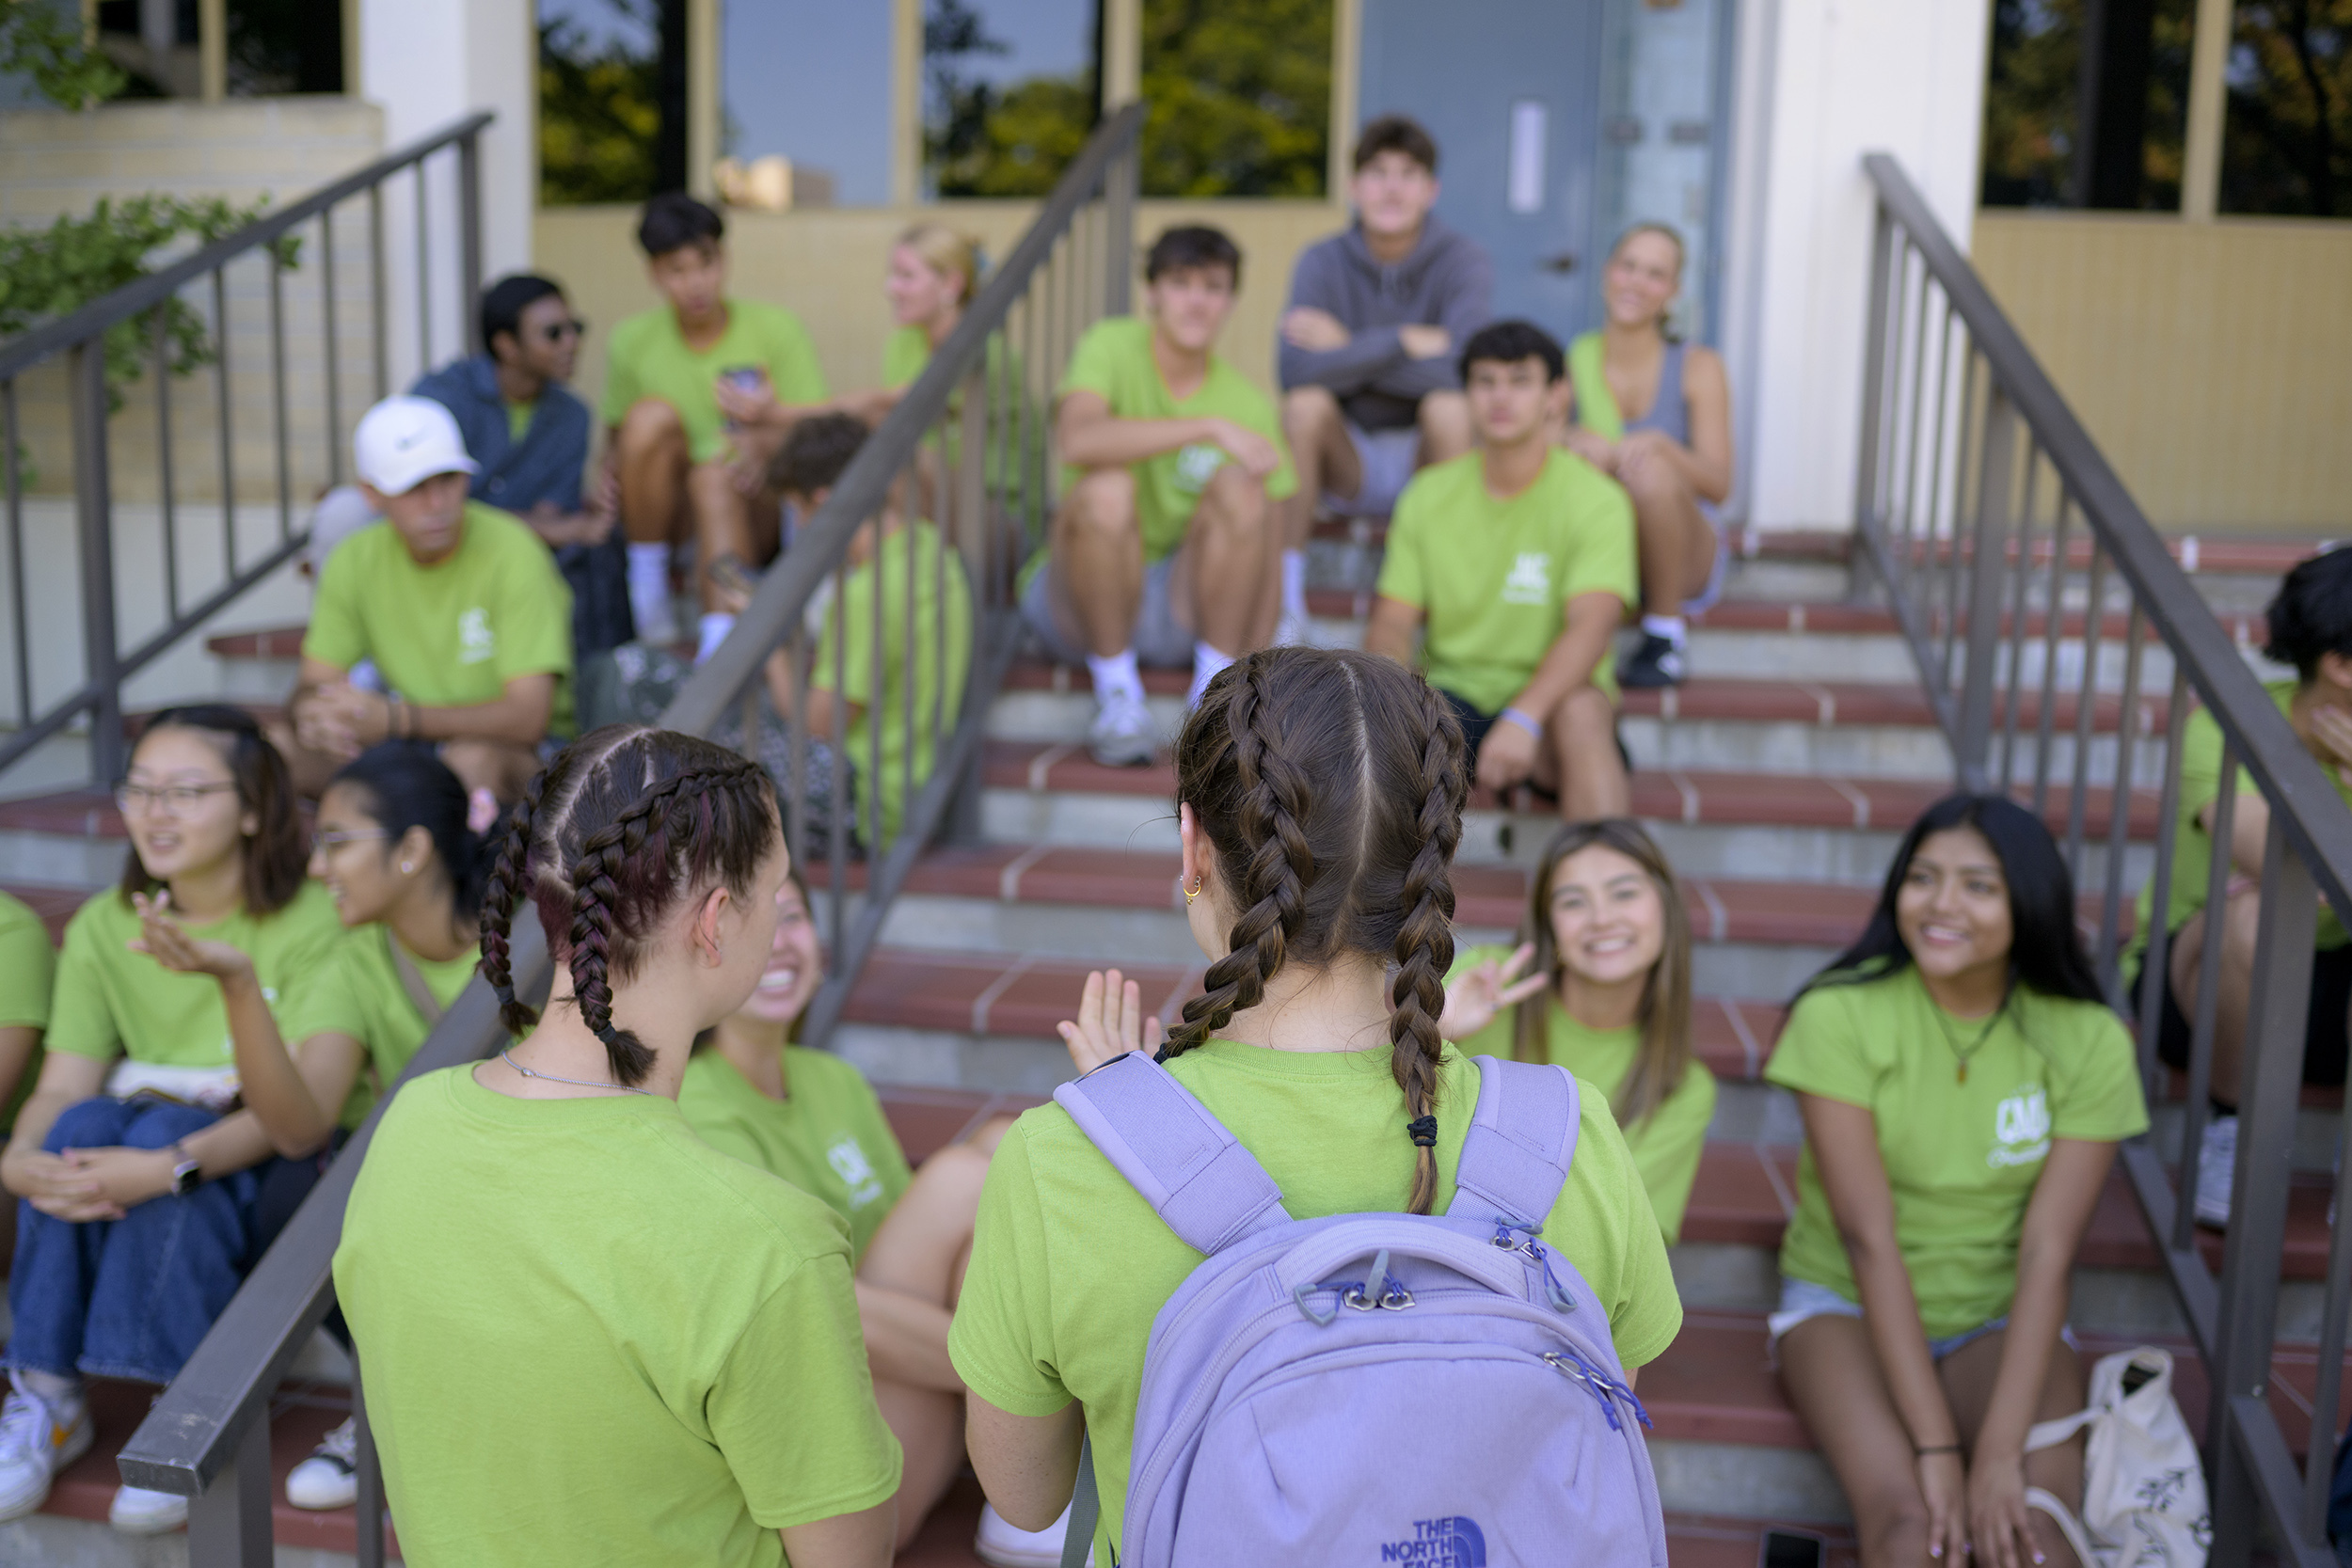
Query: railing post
x=1119, y=218
x=228, y=1524
x=1866, y=488
x=1973, y=742
x=468, y=237
x=2270, y=1085
x=93, y=519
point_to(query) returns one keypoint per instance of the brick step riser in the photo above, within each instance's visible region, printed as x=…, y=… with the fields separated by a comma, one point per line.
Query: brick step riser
x=54, y=1540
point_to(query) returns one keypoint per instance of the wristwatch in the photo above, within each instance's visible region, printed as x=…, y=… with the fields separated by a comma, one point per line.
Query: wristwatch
x=187, y=1171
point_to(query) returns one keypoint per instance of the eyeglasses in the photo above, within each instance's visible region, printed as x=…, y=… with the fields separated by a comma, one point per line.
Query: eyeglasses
x=320, y=842
x=555, y=332
x=134, y=798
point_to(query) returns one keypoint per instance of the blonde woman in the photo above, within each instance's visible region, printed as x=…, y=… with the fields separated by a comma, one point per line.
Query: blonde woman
x=1606, y=955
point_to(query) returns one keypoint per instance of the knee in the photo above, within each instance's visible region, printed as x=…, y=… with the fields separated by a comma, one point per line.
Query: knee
x=93, y=1123
x=1235, y=496
x=649, y=423
x=1651, y=482
x=1584, y=717
x=1309, y=410
x=2242, y=926
x=1104, y=502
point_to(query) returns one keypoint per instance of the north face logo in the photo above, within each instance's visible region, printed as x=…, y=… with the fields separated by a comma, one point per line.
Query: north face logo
x=1456, y=1543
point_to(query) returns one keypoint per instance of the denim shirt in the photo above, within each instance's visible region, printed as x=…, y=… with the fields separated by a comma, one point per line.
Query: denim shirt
x=546, y=466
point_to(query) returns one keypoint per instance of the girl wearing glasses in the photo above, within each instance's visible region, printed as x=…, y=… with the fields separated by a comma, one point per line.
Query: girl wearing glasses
x=143, y=1202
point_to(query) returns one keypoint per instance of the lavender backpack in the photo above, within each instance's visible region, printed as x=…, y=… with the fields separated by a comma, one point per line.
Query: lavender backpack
x=1364, y=1389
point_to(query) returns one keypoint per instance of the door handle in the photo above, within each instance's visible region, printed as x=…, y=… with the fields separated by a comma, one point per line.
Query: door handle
x=1563, y=262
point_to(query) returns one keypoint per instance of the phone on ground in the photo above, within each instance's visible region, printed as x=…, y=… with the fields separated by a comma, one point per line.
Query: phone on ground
x=1791, y=1548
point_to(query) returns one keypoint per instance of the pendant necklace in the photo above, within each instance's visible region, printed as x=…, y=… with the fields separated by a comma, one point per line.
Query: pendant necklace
x=1952, y=1041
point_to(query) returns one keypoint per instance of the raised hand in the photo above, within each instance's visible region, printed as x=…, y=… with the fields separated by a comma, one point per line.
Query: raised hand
x=1111, y=1021
x=1473, y=997
x=163, y=939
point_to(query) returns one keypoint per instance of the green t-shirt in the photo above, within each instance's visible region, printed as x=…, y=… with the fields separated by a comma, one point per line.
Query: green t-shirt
x=2192, y=852
x=941, y=602
x=111, y=1002
x=452, y=634
x=1962, y=1158
x=1666, y=1144
x=650, y=358
x=361, y=996
x=1494, y=578
x=909, y=349
x=28, y=965
x=519, y=421
x=828, y=1135
x=1114, y=361
x=1070, y=1264
x=592, y=1338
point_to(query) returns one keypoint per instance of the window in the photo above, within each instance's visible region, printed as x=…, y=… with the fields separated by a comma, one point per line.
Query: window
x=2064, y=130
x=1663, y=68
x=807, y=82
x=611, y=99
x=274, y=47
x=1240, y=96
x=1009, y=93
x=2287, y=146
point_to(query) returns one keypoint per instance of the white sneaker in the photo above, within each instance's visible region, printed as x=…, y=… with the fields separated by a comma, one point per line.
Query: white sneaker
x=37, y=1440
x=330, y=1477
x=1123, y=735
x=656, y=621
x=2216, y=1169
x=1001, y=1545
x=136, y=1510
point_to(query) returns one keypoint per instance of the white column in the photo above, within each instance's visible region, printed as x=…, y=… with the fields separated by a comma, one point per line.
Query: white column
x=427, y=63
x=1835, y=80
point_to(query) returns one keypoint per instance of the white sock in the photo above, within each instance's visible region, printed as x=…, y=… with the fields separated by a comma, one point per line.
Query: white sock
x=1116, y=678
x=715, y=627
x=1295, y=583
x=1206, y=664
x=60, y=1392
x=1674, y=629
x=649, y=582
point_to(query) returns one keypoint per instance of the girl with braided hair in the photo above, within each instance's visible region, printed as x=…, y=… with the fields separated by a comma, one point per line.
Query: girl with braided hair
x=1319, y=801
x=588, y=1336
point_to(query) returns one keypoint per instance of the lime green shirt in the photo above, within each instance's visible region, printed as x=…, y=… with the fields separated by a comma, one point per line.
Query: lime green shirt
x=1114, y=361
x=926, y=673
x=1962, y=1157
x=827, y=1136
x=111, y=1002
x=1494, y=578
x=592, y=1338
x=1666, y=1144
x=2192, y=852
x=1070, y=1264
x=361, y=997
x=28, y=966
x=650, y=358
x=1588, y=373
x=452, y=634
x=519, y=421
x=908, y=350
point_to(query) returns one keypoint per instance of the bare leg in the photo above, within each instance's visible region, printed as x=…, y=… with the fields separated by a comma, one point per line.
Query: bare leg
x=1235, y=544
x=2235, y=999
x=1580, y=760
x=1445, y=425
x=1676, y=540
x=1968, y=1376
x=1097, y=562
x=653, y=462
x=1831, y=1374
x=1323, y=456
x=722, y=523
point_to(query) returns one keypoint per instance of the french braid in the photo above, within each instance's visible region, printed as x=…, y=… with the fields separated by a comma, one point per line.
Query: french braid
x=508, y=882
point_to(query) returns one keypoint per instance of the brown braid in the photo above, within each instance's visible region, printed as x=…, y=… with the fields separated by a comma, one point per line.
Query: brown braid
x=1424, y=942
x=504, y=890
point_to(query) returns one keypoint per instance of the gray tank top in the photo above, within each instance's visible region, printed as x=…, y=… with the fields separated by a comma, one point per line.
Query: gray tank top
x=1668, y=414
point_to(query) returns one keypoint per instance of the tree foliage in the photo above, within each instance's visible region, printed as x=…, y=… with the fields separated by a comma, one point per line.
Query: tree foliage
x=600, y=112
x=2033, y=93
x=1240, y=96
x=981, y=139
x=2289, y=145
x=41, y=42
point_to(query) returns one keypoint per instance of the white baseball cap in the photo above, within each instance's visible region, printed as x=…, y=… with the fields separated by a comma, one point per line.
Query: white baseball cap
x=404, y=442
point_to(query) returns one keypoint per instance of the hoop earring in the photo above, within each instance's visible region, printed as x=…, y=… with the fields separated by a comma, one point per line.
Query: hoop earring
x=1194, y=892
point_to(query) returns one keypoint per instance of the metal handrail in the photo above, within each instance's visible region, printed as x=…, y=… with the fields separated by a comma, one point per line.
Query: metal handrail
x=1957, y=438
x=207, y=1435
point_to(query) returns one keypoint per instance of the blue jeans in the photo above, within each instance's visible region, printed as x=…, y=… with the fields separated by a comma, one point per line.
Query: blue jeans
x=132, y=1297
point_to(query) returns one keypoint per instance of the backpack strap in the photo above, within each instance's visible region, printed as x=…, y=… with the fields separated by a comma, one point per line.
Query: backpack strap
x=1522, y=1139
x=1193, y=1172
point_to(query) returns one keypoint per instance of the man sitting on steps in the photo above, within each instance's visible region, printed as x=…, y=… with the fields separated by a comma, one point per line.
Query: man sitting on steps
x=1518, y=561
x=1163, y=551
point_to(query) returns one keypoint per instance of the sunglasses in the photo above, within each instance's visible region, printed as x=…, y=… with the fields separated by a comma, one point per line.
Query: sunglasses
x=557, y=331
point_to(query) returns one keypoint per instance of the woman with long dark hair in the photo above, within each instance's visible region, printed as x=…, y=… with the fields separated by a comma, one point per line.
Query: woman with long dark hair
x=1963, y=1086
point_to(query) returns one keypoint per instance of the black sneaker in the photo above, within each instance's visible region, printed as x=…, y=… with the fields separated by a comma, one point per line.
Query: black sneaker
x=1657, y=663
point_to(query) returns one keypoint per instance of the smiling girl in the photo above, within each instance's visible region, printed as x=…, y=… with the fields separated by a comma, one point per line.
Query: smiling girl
x=1608, y=998
x=1963, y=1088
x=142, y=1198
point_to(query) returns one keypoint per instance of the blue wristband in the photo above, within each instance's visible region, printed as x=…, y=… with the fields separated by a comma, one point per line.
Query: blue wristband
x=1514, y=716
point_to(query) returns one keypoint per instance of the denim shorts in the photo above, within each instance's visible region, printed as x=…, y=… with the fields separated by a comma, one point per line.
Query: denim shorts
x=1801, y=1299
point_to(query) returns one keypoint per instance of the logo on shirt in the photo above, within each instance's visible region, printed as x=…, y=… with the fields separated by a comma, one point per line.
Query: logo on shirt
x=1530, y=581
x=476, y=641
x=1196, y=464
x=2021, y=1125
x=1456, y=1543
x=849, y=1162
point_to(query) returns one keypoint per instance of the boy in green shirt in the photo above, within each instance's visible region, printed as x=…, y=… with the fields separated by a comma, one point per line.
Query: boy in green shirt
x=456, y=607
x=699, y=393
x=1176, y=463
x=1518, y=562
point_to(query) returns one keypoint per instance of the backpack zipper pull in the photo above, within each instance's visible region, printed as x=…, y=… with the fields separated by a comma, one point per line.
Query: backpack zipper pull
x=1608, y=1390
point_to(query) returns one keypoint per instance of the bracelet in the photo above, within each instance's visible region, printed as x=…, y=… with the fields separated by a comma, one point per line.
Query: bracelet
x=1516, y=717
x=1918, y=1452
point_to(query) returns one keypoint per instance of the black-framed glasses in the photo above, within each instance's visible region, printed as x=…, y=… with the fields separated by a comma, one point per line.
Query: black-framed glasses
x=322, y=842
x=555, y=332
x=132, y=799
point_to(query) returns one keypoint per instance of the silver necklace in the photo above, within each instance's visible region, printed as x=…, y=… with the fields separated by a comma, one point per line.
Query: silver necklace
x=578, y=1083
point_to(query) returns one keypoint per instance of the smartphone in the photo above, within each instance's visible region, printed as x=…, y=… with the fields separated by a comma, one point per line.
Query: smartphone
x=1791, y=1548
x=743, y=378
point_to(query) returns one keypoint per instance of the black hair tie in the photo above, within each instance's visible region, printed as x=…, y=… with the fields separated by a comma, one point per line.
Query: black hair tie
x=1423, y=1132
x=504, y=993
x=610, y=1037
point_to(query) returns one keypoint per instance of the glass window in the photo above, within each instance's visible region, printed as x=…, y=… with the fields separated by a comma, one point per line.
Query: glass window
x=2287, y=147
x=1662, y=84
x=611, y=99
x=808, y=82
x=1240, y=96
x=275, y=46
x=2038, y=150
x=1009, y=93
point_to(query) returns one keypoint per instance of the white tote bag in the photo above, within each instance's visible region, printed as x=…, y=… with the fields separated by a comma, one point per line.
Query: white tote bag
x=2143, y=1489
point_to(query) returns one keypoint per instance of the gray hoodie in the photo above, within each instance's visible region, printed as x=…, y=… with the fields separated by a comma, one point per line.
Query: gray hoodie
x=1447, y=281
